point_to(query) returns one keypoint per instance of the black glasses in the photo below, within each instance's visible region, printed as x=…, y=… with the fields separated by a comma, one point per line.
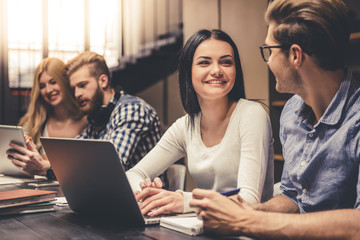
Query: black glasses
x=266, y=51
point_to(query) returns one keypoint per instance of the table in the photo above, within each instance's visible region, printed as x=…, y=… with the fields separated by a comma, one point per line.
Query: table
x=65, y=224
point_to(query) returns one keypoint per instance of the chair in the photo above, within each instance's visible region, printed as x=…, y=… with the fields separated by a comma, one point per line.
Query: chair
x=176, y=176
x=277, y=190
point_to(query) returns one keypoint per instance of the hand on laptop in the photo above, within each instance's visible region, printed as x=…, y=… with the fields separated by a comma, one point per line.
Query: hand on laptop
x=157, y=183
x=155, y=201
x=28, y=158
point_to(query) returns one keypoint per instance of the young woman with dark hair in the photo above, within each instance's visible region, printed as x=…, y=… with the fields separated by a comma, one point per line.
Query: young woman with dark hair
x=227, y=140
x=187, y=92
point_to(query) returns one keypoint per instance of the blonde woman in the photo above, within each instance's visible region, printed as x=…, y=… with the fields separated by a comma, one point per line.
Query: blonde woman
x=52, y=112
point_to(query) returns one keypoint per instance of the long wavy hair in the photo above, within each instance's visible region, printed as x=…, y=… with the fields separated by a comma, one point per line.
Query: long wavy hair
x=33, y=122
x=188, y=95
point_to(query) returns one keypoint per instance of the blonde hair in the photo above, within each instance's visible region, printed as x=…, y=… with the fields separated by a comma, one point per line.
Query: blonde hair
x=36, y=116
x=95, y=62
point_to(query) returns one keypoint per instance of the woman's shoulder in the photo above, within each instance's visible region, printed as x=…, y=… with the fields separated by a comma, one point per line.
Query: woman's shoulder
x=181, y=127
x=182, y=122
x=253, y=106
x=250, y=113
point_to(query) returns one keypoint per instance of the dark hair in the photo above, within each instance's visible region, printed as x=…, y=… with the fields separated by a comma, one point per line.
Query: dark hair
x=320, y=27
x=188, y=95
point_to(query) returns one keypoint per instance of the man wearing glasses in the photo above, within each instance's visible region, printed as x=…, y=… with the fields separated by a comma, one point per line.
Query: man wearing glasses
x=319, y=130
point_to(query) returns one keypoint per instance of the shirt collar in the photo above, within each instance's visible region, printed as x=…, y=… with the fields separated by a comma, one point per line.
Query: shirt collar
x=114, y=99
x=333, y=112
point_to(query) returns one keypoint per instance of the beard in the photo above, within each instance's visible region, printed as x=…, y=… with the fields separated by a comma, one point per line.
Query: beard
x=94, y=103
x=289, y=81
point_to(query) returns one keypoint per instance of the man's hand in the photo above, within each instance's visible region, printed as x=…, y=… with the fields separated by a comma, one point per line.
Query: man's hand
x=155, y=201
x=223, y=215
x=28, y=159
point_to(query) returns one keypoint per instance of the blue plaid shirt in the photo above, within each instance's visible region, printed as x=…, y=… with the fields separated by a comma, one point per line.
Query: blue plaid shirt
x=133, y=127
x=321, y=170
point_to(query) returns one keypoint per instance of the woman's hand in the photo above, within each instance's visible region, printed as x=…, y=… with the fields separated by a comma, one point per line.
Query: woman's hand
x=155, y=201
x=28, y=159
x=157, y=183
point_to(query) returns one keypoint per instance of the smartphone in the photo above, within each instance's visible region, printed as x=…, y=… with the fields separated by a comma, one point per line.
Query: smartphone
x=15, y=134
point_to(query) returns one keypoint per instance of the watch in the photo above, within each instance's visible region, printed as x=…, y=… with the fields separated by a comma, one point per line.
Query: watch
x=50, y=175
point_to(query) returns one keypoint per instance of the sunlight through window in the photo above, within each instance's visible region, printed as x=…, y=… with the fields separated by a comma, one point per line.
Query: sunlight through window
x=105, y=29
x=25, y=41
x=66, y=28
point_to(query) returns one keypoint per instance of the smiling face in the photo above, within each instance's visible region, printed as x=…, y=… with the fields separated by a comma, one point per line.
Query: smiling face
x=87, y=91
x=50, y=90
x=213, y=69
x=287, y=78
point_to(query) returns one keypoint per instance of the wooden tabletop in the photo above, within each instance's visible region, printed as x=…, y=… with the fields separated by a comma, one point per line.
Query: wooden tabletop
x=65, y=224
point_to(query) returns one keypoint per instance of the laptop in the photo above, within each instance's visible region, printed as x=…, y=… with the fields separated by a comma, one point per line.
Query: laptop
x=9, y=134
x=93, y=180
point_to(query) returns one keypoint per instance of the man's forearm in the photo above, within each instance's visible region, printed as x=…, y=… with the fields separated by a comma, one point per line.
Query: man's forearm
x=277, y=204
x=333, y=224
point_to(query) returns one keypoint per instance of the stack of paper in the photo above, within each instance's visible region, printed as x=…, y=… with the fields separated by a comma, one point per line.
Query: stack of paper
x=23, y=201
x=188, y=225
x=14, y=180
x=30, y=208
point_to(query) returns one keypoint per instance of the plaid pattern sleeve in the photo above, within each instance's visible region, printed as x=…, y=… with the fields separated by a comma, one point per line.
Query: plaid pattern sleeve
x=134, y=129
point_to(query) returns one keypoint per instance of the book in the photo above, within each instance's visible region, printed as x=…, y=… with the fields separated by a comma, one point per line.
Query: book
x=4, y=180
x=30, y=208
x=20, y=197
x=188, y=225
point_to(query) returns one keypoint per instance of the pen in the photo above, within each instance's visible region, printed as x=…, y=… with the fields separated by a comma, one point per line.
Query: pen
x=231, y=192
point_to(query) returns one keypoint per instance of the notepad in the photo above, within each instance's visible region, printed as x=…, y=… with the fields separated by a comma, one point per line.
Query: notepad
x=188, y=225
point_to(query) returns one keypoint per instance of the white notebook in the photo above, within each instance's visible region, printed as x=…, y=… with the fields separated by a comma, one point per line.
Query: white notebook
x=188, y=225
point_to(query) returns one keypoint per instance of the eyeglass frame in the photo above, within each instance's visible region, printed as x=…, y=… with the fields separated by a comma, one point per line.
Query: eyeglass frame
x=262, y=47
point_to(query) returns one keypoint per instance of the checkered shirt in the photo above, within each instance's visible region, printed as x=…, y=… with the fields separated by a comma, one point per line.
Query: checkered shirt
x=133, y=127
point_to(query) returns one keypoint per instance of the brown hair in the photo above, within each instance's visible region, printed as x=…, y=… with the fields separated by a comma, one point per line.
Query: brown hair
x=320, y=27
x=95, y=62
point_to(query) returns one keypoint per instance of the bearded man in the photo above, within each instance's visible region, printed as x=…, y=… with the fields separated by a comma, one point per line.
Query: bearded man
x=127, y=121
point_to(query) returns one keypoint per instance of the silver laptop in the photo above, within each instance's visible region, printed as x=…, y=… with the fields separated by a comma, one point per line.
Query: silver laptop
x=93, y=179
x=9, y=134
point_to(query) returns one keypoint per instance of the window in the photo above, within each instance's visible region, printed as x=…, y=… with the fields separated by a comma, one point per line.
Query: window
x=65, y=28
x=24, y=41
x=105, y=29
